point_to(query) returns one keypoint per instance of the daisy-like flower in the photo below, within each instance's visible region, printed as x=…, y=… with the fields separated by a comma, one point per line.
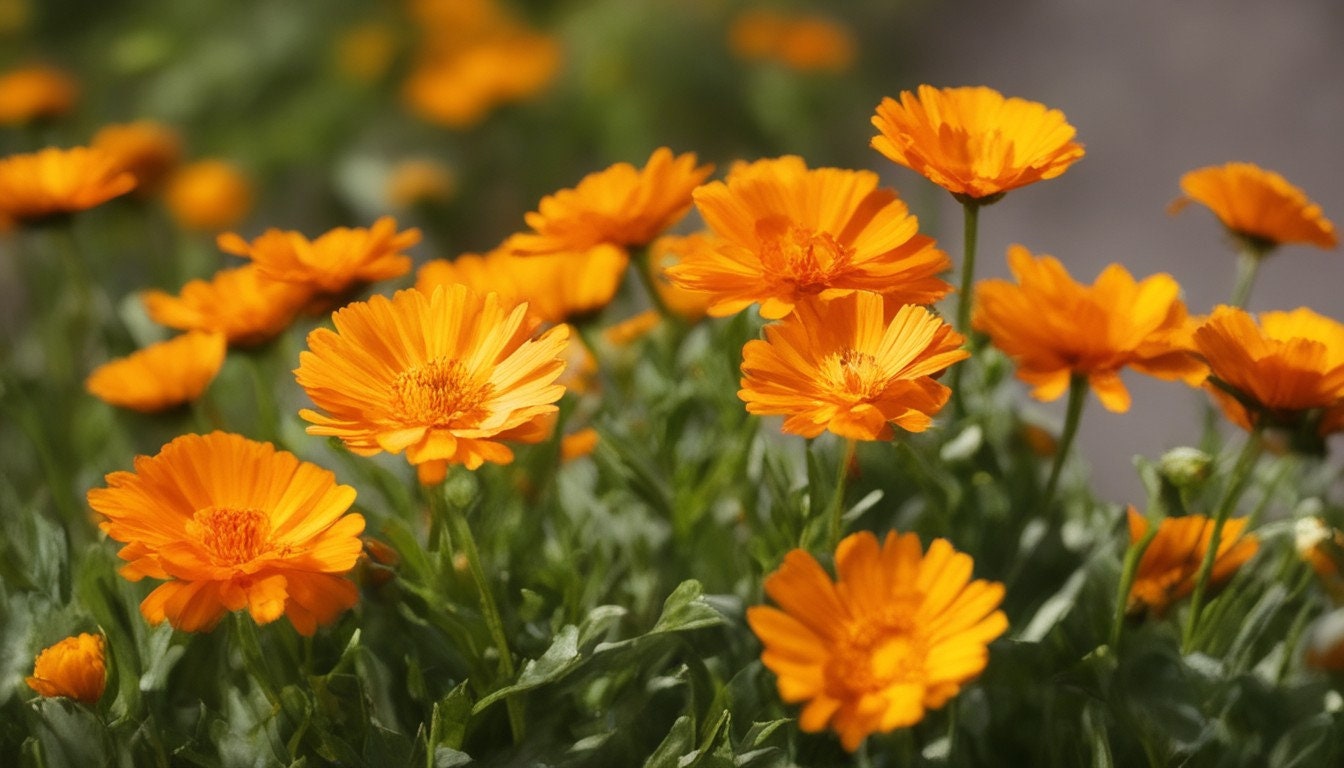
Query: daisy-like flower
x=35, y=92
x=667, y=251
x=1170, y=564
x=74, y=668
x=1257, y=204
x=53, y=181
x=621, y=205
x=1055, y=328
x=446, y=377
x=459, y=87
x=147, y=149
x=239, y=303
x=972, y=141
x=784, y=233
x=805, y=43
x=232, y=524
x=853, y=365
x=208, y=195
x=161, y=375
x=897, y=633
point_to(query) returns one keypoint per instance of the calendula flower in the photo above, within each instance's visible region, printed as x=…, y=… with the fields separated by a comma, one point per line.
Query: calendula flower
x=578, y=444
x=54, y=181
x=621, y=205
x=1257, y=204
x=419, y=180
x=161, y=375
x=35, y=92
x=73, y=668
x=897, y=633
x=784, y=233
x=209, y=195
x=806, y=43
x=853, y=365
x=667, y=251
x=1055, y=328
x=446, y=377
x=239, y=303
x=973, y=142
x=460, y=86
x=1170, y=564
x=231, y=524
x=149, y=150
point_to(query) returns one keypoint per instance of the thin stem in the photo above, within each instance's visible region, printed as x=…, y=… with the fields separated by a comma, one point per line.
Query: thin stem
x=644, y=268
x=1248, y=264
x=838, y=497
x=970, y=231
x=1133, y=556
x=1072, y=416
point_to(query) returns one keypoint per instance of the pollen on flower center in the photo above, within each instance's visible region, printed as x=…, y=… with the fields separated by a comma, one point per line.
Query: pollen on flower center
x=232, y=536
x=855, y=373
x=804, y=258
x=877, y=655
x=439, y=393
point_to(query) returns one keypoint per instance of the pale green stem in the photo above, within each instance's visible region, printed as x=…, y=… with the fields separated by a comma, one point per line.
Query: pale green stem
x=1248, y=264
x=1133, y=556
x=1072, y=416
x=837, y=509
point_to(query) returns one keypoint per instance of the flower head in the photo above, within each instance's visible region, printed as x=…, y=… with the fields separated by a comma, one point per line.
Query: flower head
x=1055, y=328
x=161, y=375
x=74, y=668
x=1257, y=204
x=239, y=303
x=229, y=523
x=897, y=633
x=972, y=141
x=805, y=43
x=460, y=86
x=209, y=195
x=54, y=181
x=784, y=233
x=853, y=365
x=445, y=377
x=667, y=251
x=1171, y=562
x=149, y=150
x=35, y=92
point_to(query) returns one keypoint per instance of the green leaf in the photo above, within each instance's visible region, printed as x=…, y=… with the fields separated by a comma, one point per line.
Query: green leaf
x=680, y=740
x=448, y=723
x=558, y=660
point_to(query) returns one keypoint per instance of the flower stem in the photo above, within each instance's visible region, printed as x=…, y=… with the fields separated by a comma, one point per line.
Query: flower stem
x=1072, y=416
x=1248, y=264
x=1133, y=556
x=644, y=268
x=970, y=231
x=838, y=497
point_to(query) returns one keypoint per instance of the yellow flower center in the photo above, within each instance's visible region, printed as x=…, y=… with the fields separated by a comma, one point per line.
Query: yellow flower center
x=231, y=536
x=440, y=393
x=854, y=373
x=808, y=261
x=885, y=649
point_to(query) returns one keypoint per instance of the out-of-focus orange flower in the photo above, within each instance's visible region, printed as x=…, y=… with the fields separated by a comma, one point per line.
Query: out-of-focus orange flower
x=578, y=444
x=632, y=328
x=1170, y=564
x=898, y=632
x=239, y=303
x=803, y=42
x=1055, y=328
x=230, y=523
x=161, y=375
x=149, y=150
x=667, y=251
x=784, y=233
x=460, y=88
x=972, y=141
x=621, y=205
x=853, y=365
x=54, y=181
x=419, y=180
x=209, y=195
x=74, y=668
x=36, y=92
x=1257, y=204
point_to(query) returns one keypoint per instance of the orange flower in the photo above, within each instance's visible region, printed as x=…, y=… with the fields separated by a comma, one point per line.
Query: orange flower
x=415, y=181
x=1054, y=328
x=73, y=668
x=35, y=92
x=972, y=141
x=444, y=377
x=460, y=87
x=209, y=195
x=803, y=42
x=578, y=444
x=668, y=250
x=1171, y=562
x=229, y=524
x=786, y=233
x=239, y=303
x=147, y=149
x=161, y=375
x=898, y=632
x=854, y=365
x=1257, y=204
x=54, y=181
x=621, y=205
x=632, y=329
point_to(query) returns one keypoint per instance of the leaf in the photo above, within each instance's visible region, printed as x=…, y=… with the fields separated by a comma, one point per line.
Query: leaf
x=448, y=722
x=680, y=740
x=686, y=609
x=558, y=660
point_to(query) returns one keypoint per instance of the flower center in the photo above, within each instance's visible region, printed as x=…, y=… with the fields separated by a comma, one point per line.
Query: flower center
x=797, y=256
x=232, y=536
x=439, y=393
x=854, y=373
x=884, y=650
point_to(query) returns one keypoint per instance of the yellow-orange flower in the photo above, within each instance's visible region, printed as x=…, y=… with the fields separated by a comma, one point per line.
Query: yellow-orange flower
x=445, y=377
x=667, y=251
x=147, y=149
x=1054, y=328
x=972, y=141
x=53, y=181
x=803, y=42
x=1171, y=562
x=578, y=444
x=785, y=233
x=621, y=205
x=419, y=180
x=239, y=303
x=458, y=88
x=897, y=633
x=230, y=523
x=35, y=92
x=1258, y=204
x=209, y=195
x=161, y=375
x=853, y=365
x=74, y=668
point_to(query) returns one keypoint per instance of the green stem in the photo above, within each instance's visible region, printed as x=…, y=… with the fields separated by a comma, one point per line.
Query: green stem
x=1133, y=556
x=1248, y=264
x=970, y=231
x=837, y=508
x=644, y=268
x=254, y=658
x=1072, y=416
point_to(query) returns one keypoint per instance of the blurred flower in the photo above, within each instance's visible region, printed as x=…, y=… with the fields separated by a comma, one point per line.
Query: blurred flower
x=1322, y=547
x=419, y=180
x=1170, y=564
x=1257, y=204
x=854, y=365
x=161, y=375
x=803, y=42
x=632, y=328
x=365, y=52
x=1325, y=642
x=578, y=444
x=972, y=141
x=444, y=377
x=621, y=205
x=35, y=92
x=149, y=150
x=53, y=181
x=897, y=633
x=667, y=251
x=209, y=195
x=1055, y=328
x=73, y=668
x=230, y=523
x=786, y=233
x=239, y=303
x=458, y=90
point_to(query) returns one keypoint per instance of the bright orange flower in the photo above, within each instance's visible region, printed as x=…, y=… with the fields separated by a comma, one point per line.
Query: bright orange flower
x=972, y=141
x=209, y=195
x=578, y=444
x=1171, y=562
x=35, y=93
x=785, y=233
x=1257, y=204
x=1054, y=328
x=897, y=633
x=147, y=149
x=853, y=365
x=239, y=303
x=54, y=181
x=161, y=375
x=668, y=250
x=621, y=205
x=73, y=668
x=460, y=87
x=230, y=523
x=444, y=377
